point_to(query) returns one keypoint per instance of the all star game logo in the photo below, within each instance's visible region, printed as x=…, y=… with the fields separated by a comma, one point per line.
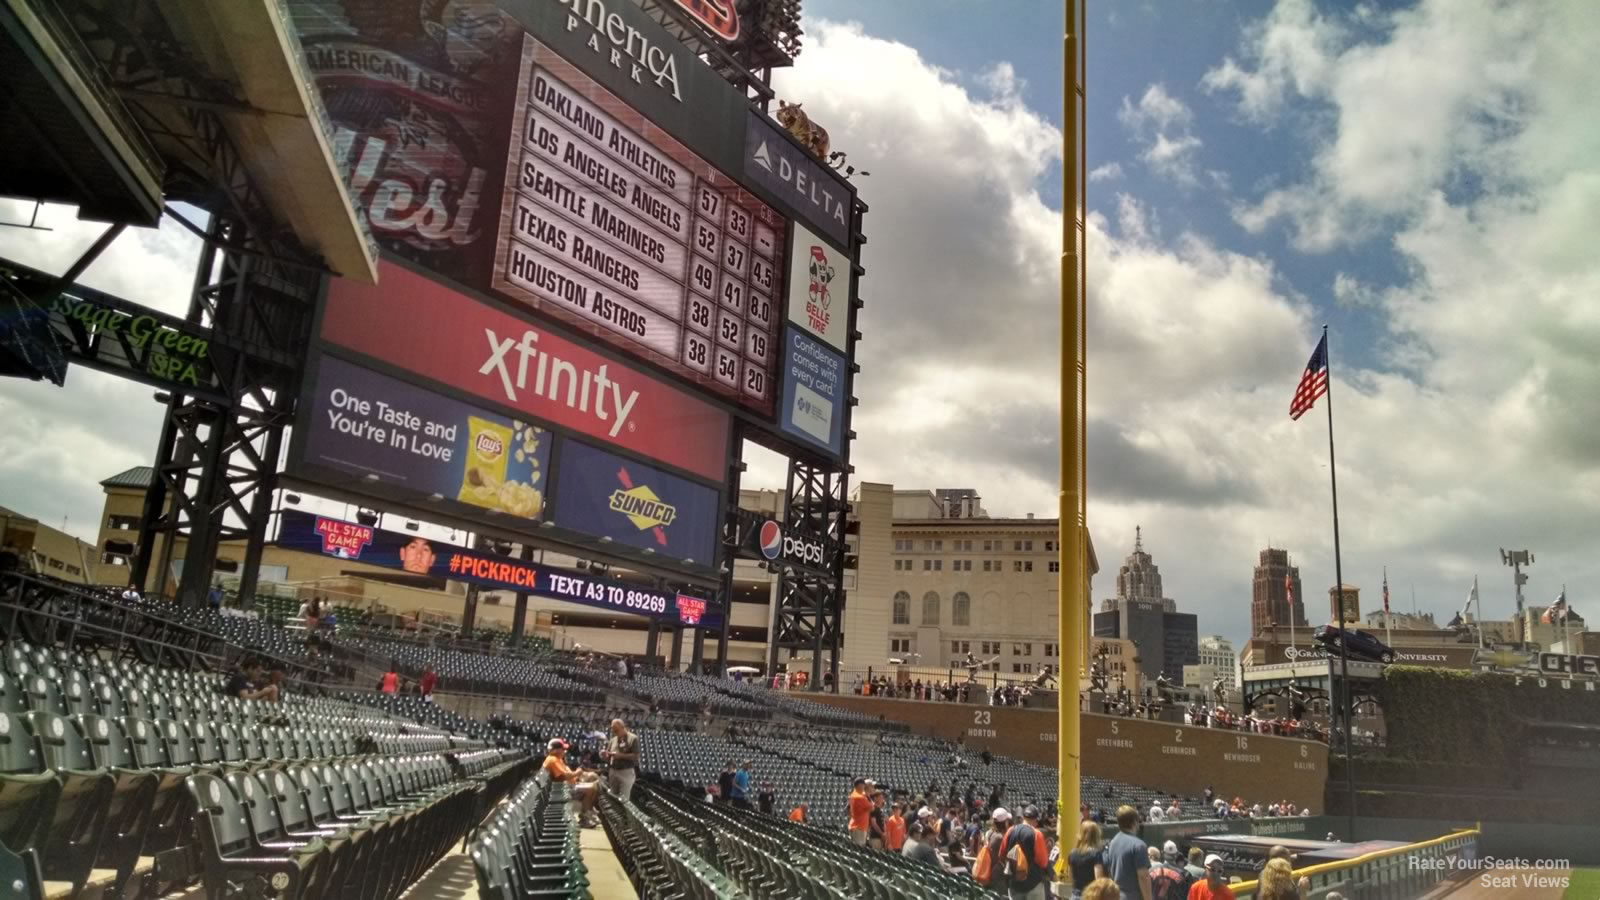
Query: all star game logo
x=642, y=506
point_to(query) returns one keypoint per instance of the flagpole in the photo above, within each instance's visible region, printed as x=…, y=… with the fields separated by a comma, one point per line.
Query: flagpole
x=1344, y=643
x=1565, y=647
x=1388, y=638
x=1479, y=610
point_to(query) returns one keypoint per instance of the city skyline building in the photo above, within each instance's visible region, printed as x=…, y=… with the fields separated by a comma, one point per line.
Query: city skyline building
x=1167, y=639
x=1275, y=595
x=1217, y=651
x=1352, y=603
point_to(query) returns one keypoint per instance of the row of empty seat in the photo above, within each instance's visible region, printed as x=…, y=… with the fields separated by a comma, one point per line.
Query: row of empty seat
x=767, y=857
x=528, y=848
x=112, y=771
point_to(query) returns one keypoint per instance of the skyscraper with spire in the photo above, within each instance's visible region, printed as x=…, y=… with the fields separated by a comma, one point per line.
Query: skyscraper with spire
x=1275, y=596
x=1140, y=612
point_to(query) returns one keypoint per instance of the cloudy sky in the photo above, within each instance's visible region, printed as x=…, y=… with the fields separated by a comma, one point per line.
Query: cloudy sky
x=1424, y=178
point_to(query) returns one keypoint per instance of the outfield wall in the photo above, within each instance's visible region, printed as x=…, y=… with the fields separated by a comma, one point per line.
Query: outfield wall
x=1177, y=758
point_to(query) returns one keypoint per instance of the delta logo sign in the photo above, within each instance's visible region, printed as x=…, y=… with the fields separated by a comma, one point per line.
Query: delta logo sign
x=642, y=507
x=345, y=540
x=818, y=297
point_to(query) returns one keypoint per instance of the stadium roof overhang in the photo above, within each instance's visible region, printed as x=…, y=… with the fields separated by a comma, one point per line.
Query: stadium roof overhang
x=281, y=128
x=68, y=138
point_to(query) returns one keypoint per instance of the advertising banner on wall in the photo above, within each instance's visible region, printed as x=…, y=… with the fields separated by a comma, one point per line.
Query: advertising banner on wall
x=416, y=92
x=607, y=496
x=812, y=405
x=364, y=423
x=443, y=335
x=819, y=289
x=417, y=555
x=797, y=178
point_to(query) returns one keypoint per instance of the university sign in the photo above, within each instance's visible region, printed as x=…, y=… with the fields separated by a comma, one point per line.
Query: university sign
x=1447, y=657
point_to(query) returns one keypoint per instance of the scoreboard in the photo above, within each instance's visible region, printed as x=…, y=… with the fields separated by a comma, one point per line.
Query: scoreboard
x=618, y=230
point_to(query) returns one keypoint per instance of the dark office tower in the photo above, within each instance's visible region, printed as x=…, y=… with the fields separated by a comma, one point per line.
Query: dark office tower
x=1275, y=596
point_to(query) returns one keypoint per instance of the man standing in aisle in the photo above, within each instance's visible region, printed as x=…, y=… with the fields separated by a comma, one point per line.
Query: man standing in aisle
x=1128, y=858
x=1026, y=853
x=860, y=809
x=622, y=752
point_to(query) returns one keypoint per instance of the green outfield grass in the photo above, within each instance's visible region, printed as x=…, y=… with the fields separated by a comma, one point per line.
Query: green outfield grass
x=1585, y=885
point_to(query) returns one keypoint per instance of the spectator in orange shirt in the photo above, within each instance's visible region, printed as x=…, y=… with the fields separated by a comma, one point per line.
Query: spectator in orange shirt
x=894, y=830
x=1215, y=884
x=860, y=812
x=798, y=814
x=583, y=781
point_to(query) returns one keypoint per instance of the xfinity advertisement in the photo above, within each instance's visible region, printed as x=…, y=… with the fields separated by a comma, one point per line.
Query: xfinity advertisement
x=440, y=334
x=418, y=555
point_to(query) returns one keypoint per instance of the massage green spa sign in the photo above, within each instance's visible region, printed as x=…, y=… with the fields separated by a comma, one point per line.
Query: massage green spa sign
x=133, y=341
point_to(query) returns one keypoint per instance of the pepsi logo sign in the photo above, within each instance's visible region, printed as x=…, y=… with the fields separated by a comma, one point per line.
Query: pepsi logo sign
x=771, y=539
x=775, y=543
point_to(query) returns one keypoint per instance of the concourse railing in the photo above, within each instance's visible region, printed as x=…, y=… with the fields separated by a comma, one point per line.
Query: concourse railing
x=1394, y=873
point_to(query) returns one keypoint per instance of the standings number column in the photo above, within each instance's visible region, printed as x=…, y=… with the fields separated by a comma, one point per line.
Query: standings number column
x=728, y=335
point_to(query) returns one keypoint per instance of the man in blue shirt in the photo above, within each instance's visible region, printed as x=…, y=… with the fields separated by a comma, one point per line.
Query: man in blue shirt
x=1128, y=858
x=741, y=786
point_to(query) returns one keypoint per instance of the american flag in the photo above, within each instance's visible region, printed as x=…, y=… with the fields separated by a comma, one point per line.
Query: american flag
x=1314, y=383
x=1288, y=593
x=1557, y=612
x=1386, y=592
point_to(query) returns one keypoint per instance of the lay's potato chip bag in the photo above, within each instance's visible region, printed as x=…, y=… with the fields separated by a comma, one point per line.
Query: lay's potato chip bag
x=488, y=448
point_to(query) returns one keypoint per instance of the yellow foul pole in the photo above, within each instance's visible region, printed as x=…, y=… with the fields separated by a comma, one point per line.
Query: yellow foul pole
x=1072, y=546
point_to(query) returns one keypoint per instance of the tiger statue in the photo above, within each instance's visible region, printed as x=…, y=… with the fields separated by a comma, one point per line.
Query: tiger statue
x=813, y=136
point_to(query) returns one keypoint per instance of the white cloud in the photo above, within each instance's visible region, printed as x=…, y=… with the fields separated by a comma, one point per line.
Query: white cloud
x=1292, y=49
x=1195, y=350
x=1350, y=291
x=1108, y=172
x=1432, y=98
x=1162, y=124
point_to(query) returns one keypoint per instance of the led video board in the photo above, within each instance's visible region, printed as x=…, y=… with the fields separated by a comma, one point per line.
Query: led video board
x=617, y=229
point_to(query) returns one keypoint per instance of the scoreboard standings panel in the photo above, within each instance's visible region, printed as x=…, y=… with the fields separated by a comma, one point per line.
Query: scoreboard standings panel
x=614, y=227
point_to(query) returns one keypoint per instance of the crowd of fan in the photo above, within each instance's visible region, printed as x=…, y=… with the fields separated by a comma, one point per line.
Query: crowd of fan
x=947, y=691
x=1282, y=726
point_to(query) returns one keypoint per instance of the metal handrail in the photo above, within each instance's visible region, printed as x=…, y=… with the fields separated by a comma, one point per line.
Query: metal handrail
x=128, y=625
x=1322, y=872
